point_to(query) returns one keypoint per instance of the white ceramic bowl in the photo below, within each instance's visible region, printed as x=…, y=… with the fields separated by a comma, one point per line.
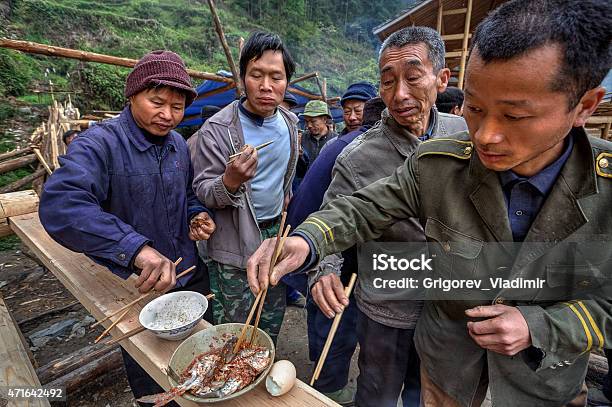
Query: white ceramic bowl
x=173, y=316
x=207, y=339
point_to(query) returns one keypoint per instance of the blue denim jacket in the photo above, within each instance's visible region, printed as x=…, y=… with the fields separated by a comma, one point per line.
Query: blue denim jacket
x=115, y=192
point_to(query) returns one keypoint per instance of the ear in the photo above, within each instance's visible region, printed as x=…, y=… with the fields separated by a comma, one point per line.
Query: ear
x=587, y=105
x=442, y=79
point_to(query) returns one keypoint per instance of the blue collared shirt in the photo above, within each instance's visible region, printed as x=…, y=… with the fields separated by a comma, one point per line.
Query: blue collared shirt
x=115, y=192
x=525, y=196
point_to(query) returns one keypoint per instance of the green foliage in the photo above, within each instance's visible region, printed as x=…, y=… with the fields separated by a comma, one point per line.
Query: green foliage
x=332, y=37
x=10, y=177
x=11, y=242
x=106, y=83
x=15, y=73
x=6, y=111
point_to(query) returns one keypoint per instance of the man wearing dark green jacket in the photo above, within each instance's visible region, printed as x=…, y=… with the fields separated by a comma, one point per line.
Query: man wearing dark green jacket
x=527, y=173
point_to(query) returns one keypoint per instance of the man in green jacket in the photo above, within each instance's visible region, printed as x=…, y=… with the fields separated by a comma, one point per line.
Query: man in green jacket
x=536, y=179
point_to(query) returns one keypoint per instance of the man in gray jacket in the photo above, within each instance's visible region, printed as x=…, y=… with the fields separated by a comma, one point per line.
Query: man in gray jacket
x=249, y=193
x=412, y=72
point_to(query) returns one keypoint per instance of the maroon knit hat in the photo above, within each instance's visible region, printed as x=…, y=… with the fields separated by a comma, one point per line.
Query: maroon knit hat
x=160, y=68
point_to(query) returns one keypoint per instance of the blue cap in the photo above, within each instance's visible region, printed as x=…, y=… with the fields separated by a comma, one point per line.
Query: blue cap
x=290, y=99
x=359, y=91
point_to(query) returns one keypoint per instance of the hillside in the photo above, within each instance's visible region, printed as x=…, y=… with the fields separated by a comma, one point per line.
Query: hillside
x=333, y=38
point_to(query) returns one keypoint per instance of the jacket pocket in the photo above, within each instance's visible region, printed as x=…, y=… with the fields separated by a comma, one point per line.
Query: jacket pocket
x=455, y=254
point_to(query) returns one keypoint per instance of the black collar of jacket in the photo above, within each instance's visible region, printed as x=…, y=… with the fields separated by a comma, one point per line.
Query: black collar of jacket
x=257, y=119
x=136, y=133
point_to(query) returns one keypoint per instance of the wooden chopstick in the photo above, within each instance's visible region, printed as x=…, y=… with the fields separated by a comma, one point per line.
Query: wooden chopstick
x=127, y=335
x=332, y=332
x=232, y=157
x=176, y=263
x=263, y=298
x=107, y=330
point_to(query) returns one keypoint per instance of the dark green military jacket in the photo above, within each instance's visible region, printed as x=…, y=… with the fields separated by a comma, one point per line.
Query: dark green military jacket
x=461, y=206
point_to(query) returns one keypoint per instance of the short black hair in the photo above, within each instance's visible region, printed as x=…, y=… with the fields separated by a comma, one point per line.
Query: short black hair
x=416, y=35
x=448, y=99
x=68, y=134
x=581, y=29
x=259, y=42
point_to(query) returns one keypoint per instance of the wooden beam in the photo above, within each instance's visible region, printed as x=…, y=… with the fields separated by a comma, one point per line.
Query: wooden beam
x=304, y=77
x=216, y=91
x=454, y=37
x=16, y=163
x=455, y=11
x=42, y=49
x=308, y=95
x=226, y=49
x=15, y=366
x=20, y=183
x=464, y=48
x=453, y=54
x=599, y=119
x=605, y=133
x=440, y=14
x=15, y=153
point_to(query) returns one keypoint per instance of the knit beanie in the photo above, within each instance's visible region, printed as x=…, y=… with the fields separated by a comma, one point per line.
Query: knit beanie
x=160, y=68
x=359, y=91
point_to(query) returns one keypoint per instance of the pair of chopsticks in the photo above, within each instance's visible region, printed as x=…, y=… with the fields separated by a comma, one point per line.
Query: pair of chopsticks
x=261, y=297
x=332, y=333
x=259, y=147
x=126, y=308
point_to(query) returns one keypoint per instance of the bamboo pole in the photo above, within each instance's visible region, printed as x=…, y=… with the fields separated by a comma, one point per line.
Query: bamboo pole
x=324, y=89
x=15, y=153
x=42, y=161
x=16, y=163
x=308, y=95
x=304, y=77
x=20, y=183
x=226, y=49
x=464, y=47
x=35, y=48
x=440, y=11
x=216, y=91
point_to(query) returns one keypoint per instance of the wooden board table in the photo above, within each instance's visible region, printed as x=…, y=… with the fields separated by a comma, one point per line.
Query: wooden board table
x=101, y=293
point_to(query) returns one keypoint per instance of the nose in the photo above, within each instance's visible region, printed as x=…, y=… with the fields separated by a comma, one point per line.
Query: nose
x=402, y=92
x=488, y=132
x=353, y=116
x=165, y=112
x=265, y=84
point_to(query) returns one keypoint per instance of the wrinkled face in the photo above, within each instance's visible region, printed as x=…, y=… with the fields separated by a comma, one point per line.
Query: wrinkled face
x=352, y=111
x=265, y=82
x=317, y=126
x=158, y=110
x=515, y=120
x=409, y=86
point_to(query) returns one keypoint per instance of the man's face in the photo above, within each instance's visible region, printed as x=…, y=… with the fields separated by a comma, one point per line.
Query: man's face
x=158, y=110
x=265, y=82
x=317, y=126
x=409, y=86
x=515, y=120
x=352, y=112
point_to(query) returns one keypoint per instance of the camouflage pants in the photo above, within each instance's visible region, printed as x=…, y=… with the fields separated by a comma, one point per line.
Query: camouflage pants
x=233, y=297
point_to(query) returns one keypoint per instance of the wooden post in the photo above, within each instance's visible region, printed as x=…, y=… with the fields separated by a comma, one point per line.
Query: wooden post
x=226, y=49
x=304, y=77
x=324, y=90
x=20, y=183
x=16, y=163
x=305, y=94
x=35, y=48
x=16, y=203
x=605, y=134
x=464, y=48
x=240, y=45
x=440, y=11
x=15, y=153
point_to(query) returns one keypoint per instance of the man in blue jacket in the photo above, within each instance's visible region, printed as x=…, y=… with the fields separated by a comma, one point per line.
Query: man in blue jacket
x=123, y=193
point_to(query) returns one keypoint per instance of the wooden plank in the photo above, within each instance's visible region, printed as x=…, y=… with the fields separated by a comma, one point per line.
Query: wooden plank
x=454, y=37
x=15, y=366
x=599, y=119
x=101, y=293
x=454, y=11
x=453, y=54
x=440, y=14
x=18, y=203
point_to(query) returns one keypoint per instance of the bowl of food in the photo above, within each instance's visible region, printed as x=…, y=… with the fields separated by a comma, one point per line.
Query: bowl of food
x=173, y=316
x=205, y=368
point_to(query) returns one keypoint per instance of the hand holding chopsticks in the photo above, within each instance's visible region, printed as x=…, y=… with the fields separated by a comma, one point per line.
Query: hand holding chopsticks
x=259, y=147
x=261, y=295
x=332, y=333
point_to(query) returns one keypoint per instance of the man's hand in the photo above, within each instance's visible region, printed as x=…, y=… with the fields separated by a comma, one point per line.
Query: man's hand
x=505, y=331
x=201, y=227
x=294, y=253
x=157, y=272
x=241, y=169
x=328, y=294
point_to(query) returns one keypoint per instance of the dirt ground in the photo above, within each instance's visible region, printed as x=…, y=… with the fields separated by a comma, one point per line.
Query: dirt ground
x=30, y=290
